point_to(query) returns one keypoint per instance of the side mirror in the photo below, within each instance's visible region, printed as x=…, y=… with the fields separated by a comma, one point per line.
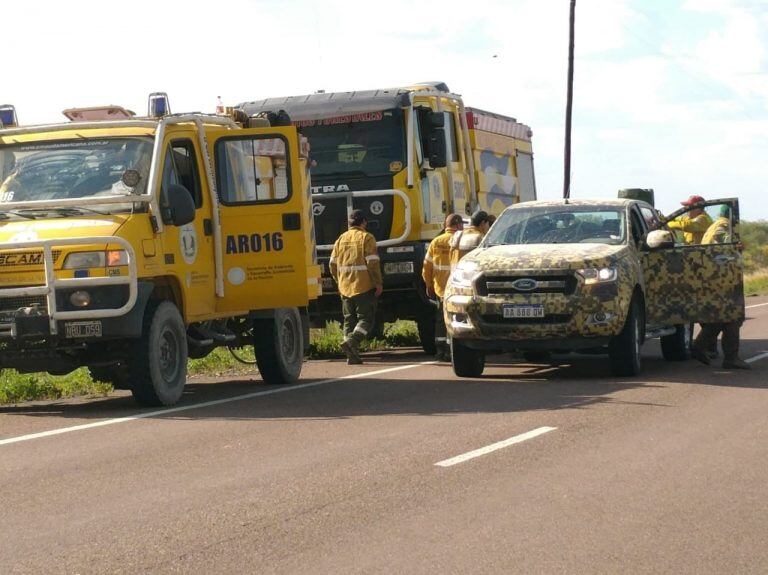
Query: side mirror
x=438, y=153
x=436, y=120
x=660, y=240
x=177, y=207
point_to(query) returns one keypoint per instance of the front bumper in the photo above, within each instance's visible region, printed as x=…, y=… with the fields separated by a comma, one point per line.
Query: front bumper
x=576, y=321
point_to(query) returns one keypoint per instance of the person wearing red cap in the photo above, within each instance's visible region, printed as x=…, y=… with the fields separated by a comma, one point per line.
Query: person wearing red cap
x=694, y=224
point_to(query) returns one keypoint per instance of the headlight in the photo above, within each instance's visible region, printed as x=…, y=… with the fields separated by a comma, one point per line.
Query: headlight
x=598, y=275
x=85, y=260
x=463, y=275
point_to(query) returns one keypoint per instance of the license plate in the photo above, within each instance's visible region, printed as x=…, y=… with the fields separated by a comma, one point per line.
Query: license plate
x=523, y=311
x=82, y=329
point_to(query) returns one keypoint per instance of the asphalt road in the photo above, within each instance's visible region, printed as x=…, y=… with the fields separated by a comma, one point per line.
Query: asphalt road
x=664, y=473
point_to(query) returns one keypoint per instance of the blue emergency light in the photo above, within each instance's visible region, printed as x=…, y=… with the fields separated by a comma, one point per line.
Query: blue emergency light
x=8, y=117
x=159, y=105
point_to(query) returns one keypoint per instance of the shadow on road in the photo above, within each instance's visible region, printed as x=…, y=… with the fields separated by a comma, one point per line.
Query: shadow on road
x=508, y=385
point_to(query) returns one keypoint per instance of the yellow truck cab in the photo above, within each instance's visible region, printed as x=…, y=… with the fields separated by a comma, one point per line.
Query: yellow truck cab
x=408, y=157
x=129, y=244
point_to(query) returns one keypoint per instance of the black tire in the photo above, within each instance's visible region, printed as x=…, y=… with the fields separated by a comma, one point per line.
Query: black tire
x=537, y=356
x=279, y=346
x=466, y=362
x=677, y=346
x=624, y=349
x=157, y=370
x=426, y=327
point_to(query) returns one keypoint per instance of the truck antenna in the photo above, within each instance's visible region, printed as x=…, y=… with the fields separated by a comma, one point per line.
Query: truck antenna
x=568, y=108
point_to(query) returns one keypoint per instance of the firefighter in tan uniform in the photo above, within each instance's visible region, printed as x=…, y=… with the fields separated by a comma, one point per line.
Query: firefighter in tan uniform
x=464, y=241
x=436, y=271
x=355, y=267
x=720, y=232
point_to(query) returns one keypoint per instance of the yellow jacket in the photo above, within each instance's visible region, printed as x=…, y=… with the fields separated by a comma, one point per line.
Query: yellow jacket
x=463, y=242
x=719, y=232
x=355, y=262
x=693, y=228
x=437, y=263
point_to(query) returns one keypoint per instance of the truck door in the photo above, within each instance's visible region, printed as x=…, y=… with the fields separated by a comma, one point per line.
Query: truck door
x=258, y=183
x=458, y=164
x=437, y=197
x=701, y=282
x=192, y=249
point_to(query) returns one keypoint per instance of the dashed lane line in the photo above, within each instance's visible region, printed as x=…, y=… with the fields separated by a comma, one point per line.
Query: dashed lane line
x=757, y=357
x=494, y=447
x=179, y=409
x=756, y=305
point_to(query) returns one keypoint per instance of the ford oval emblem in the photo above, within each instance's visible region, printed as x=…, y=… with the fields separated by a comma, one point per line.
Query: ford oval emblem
x=525, y=284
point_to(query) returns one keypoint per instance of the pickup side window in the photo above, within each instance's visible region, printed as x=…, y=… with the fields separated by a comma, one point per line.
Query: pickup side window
x=180, y=167
x=651, y=219
x=252, y=170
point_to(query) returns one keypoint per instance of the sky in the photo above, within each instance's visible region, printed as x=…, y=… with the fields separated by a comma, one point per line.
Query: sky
x=668, y=94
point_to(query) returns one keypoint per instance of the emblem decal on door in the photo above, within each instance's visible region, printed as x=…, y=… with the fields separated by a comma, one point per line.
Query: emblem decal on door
x=188, y=243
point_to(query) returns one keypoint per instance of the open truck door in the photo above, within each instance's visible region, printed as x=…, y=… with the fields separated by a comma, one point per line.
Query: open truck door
x=263, y=212
x=701, y=282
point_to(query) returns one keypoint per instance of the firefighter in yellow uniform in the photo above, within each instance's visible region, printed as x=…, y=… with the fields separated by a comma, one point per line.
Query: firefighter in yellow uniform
x=720, y=232
x=355, y=267
x=694, y=224
x=436, y=271
x=464, y=241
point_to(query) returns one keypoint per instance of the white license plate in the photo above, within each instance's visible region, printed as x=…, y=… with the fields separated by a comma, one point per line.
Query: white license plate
x=523, y=311
x=82, y=329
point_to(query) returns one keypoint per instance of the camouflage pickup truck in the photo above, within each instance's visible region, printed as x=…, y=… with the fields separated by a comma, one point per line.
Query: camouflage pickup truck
x=595, y=276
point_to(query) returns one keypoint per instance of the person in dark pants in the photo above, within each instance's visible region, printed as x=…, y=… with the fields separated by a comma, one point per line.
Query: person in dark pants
x=720, y=232
x=355, y=266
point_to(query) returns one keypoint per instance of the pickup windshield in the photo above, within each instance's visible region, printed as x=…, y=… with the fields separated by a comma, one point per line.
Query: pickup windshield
x=559, y=225
x=74, y=169
x=369, y=144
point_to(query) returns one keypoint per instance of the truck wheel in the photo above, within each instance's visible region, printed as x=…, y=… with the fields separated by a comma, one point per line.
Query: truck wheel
x=279, y=346
x=677, y=346
x=466, y=362
x=624, y=349
x=157, y=370
x=426, y=327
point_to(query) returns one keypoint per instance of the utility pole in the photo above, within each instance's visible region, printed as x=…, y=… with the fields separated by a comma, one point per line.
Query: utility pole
x=569, y=107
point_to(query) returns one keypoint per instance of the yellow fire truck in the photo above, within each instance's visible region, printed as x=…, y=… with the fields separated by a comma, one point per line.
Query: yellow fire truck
x=407, y=157
x=129, y=244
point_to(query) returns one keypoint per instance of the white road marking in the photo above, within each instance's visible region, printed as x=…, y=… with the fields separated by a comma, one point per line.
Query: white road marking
x=757, y=357
x=494, y=446
x=161, y=412
x=756, y=305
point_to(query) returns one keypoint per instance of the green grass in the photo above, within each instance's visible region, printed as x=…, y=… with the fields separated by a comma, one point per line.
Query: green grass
x=756, y=284
x=16, y=387
x=324, y=343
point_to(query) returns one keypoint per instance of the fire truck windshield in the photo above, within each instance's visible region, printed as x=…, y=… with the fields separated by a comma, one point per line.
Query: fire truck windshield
x=74, y=169
x=365, y=144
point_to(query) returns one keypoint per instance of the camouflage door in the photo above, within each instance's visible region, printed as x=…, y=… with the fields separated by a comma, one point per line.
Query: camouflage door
x=701, y=281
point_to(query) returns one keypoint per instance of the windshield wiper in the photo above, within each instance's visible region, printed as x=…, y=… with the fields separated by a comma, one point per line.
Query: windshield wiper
x=64, y=210
x=4, y=215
